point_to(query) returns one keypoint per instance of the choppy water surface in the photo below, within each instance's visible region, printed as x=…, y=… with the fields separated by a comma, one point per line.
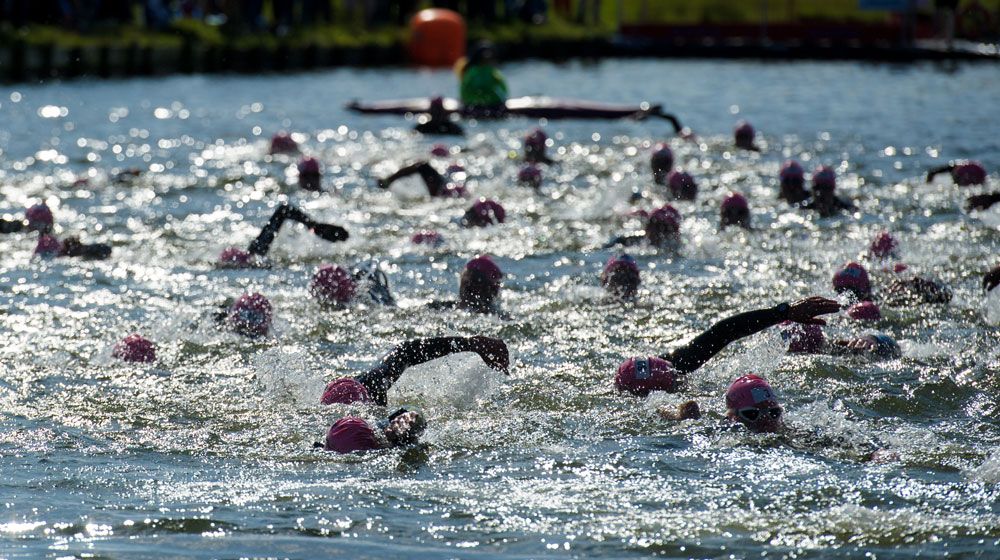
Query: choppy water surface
x=207, y=453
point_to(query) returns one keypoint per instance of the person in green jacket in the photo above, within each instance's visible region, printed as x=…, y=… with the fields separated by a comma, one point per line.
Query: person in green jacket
x=483, y=86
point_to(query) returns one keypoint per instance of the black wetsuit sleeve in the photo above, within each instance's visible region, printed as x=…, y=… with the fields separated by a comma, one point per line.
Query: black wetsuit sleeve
x=709, y=343
x=939, y=170
x=844, y=204
x=11, y=226
x=625, y=241
x=982, y=201
x=434, y=181
x=380, y=379
x=262, y=244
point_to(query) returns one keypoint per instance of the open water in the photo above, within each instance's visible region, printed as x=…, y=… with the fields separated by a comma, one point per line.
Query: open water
x=207, y=453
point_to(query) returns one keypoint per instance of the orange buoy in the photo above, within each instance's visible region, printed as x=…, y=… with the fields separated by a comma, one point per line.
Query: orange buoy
x=437, y=37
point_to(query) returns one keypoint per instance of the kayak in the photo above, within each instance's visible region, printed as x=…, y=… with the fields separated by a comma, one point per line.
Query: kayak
x=532, y=106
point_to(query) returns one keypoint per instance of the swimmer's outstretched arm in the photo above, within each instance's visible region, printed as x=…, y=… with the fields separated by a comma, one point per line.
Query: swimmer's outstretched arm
x=379, y=379
x=72, y=247
x=435, y=181
x=709, y=343
x=939, y=170
x=11, y=226
x=262, y=244
x=981, y=201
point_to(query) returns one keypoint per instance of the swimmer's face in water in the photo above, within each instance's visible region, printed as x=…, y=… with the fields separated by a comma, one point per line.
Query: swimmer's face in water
x=765, y=417
x=405, y=428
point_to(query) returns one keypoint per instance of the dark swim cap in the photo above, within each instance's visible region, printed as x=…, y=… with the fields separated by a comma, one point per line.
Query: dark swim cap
x=824, y=178
x=885, y=346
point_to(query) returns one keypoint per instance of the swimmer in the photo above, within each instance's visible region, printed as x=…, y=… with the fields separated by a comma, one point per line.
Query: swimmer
x=373, y=386
x=310, y=174
x=682, y=185
x=334, y=286
x=402, y=427
x=352, y=434
x=963, y=173
x=135, y=348
x=483, y=89
x=535, y=147
x=744, y=135
x=810, y=339
x=991, y=279
x=49, y=246
x=436, y=183
x=792, y=183
x=256, y=254
x=620, y=277
x=283, y=143
x=438, y=121
x=483, y=213
x=36, y=218
x=662, y=231
x=530, y=175
x=478, y=289
x=883, y=247
x=640, y=376
x=824, y=200
x=662, y=162
x=902, y=291
x=734, y=211
x=250, y=315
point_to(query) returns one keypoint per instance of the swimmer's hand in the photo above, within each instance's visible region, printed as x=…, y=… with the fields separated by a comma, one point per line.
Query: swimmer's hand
x=382, y=184
x=805, y=310
x=493, y=351
x=329, y=232
x=685, y=411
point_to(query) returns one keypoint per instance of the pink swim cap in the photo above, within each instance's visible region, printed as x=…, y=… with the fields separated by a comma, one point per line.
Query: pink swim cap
x=803, y=339
x=308, y=166
x=283, y=143
x=39, y=217
x=662, y=158
x=351, y=434
x=135, y=348
x=48, y=246
x=744, y=133
x=852, y=277
x=900, y=267
x=535, y=140
x=968, y=173
x=485, y=212
x=791, y=171
x=440, y=150
x=233, y=257
x=427, y=237
x=883, y=246
x=485, y=266
x=682, y=185
x=530, y=174
x=250, y=315
x=332, y=284
x=345, y=390
x=750, y=391
x=864, y=311
x=666, y=213
x=621, y=262
x=824, y=178
x=735, y=201
x=640, y=376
